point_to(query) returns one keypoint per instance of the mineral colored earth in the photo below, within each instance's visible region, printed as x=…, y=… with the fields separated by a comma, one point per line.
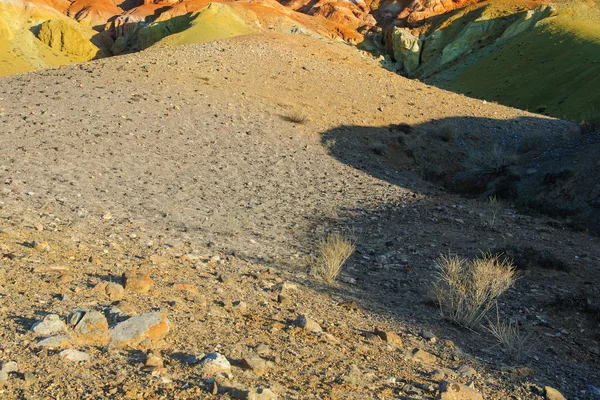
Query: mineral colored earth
x=160, y=213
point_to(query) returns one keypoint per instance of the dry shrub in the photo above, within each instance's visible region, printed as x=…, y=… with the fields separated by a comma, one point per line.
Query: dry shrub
x=510, y=337
x=590, y=122
x=490, y=215
x=334, y=251
x=296, y=117
x=467, y=290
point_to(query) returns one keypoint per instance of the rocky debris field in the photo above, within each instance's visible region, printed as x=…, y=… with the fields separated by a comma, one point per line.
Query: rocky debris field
x=159, y=214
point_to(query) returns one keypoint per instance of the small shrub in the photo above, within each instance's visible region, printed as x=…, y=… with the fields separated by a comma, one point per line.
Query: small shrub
x=509, y=336
x=590, y=122
x=467, y=290
x=446, y=132
x=296, y=117
x=489, y=217
x=334, y=251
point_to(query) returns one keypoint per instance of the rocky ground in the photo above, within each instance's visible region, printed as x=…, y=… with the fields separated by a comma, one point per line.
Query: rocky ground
x=176, y=196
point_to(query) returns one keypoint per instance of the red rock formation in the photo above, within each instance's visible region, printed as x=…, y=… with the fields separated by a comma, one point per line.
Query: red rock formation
x=420, y=10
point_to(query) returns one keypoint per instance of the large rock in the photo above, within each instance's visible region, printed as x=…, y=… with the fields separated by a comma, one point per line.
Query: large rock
x=65, y=37
x=129, y=333
x=92, y=327
x=406, y=49
x=527, y=20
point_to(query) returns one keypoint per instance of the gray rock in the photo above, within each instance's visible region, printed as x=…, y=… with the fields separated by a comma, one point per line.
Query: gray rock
x=213, y=363
x=55, y=342
x=450, y=390
x=92, y=323
x=437, y=375
x=423, y=356
x=75, y=316
x=10, y=366
x=3, y=377
x=50, y=325
x=133, y=331
x=115, y=315
x=74, y=355
x=466, y=371
x=308, y=324
x=255, y=363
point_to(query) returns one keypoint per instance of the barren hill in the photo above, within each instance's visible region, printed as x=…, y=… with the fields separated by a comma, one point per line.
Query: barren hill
x=207, y=174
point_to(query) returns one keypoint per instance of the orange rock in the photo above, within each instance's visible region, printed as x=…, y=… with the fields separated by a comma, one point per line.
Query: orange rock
x=187, y=287
x=137, y=282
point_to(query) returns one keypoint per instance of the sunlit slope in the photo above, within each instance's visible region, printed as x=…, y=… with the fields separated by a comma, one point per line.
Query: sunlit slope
x=65, y=41
x=553, y=68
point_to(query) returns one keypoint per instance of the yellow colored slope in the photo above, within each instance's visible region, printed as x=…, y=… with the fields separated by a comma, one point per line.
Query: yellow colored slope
x=20, y=49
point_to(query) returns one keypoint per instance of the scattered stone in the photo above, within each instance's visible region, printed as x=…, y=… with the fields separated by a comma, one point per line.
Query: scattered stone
x=152, y=326
x=50, y=325
x=553, y=394
x=9, y=367
x=436, y=375
x=253, y=362
x=429, y=336
x=261, y=394
x=520, y=371
x=115, y=291
x=137, y=282
x=55, y=342
x=3, y=377
x=152, y=360
x=466, y=371
x=74, y=355
x=411, y=390
x=356, y=377
x=225, y=279
x=450, y=390
x=349, y=305
x=186, y=287
x=284, y=300
x=423, y=356
x=389, y=337
x=213, y=363
x=240, y=305
x=307, y=324
x=263, y=350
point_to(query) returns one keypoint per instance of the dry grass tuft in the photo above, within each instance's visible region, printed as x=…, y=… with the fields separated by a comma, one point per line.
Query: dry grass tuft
x=334, y=251
x=491, y=213
x=296, y=117
x=467, y=290
x=510, y=337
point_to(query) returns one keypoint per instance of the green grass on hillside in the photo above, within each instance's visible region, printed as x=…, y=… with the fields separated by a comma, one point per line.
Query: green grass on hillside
x=553, y=68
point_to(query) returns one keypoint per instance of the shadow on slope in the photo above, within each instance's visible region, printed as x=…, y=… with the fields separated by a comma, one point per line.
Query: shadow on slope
x=540, y=164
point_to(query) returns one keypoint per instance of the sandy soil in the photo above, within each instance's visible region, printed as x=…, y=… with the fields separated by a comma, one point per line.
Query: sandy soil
x=192, y=154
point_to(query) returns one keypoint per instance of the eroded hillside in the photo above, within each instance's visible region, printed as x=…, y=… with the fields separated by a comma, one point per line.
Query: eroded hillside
x=201, y=178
